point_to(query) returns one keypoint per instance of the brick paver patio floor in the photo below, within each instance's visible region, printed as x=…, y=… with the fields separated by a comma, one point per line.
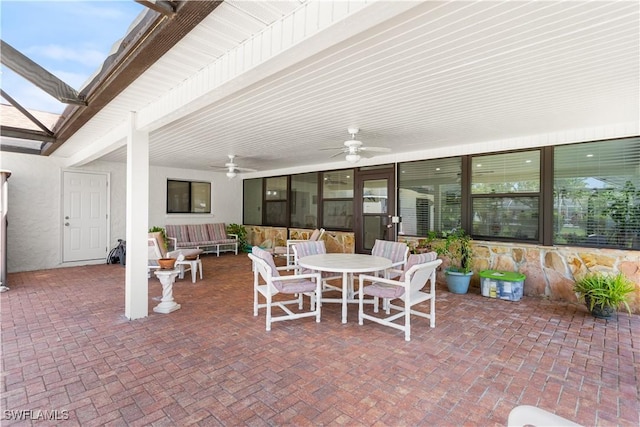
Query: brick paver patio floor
x=69, y=352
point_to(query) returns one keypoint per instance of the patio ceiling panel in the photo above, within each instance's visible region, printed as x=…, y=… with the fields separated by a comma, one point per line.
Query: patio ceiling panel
x=403, y=78
x=440, y=74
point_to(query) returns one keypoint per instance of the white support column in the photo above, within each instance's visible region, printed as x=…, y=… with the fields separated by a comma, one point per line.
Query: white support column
x=136, y=282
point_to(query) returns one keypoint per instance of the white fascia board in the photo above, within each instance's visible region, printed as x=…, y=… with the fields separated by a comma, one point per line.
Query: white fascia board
x=115, y=139
x=288, y=41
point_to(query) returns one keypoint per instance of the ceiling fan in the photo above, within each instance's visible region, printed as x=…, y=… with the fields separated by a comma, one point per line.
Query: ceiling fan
x=354, y=148
x=232, y=168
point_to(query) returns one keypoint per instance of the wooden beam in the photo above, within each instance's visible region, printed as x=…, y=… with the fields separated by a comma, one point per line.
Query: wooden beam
x=38, y=75
x=25, y=112
x=21, y=150
x=18, y=133
x=164, y=7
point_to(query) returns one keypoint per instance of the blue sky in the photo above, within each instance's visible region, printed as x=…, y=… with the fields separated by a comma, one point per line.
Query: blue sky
x=70, y=39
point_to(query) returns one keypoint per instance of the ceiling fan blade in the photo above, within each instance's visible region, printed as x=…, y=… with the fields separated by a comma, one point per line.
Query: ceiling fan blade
x=331, y=149
x=376, y=149
x=340, y=153
x=245, y=169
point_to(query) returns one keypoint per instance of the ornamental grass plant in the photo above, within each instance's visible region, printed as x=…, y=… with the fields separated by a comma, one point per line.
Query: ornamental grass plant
x=602, y=290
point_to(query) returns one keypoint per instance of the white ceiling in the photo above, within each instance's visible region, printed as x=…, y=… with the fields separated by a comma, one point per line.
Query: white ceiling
x=442, y=74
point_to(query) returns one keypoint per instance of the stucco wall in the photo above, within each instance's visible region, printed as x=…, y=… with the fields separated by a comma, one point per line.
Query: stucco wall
x=34, y=234
x=33, y=212
x=226, y=198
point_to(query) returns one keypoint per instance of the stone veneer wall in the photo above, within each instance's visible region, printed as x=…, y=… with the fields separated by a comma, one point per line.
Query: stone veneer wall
x=551, y=271
x=335, y=241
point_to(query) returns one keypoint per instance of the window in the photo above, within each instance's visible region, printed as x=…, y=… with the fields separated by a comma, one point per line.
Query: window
x=252, y=201
x=275, y=201
x=337, y=200
x=585, y=194
x=188, y=196
x=429, y=195
x=596, y=194
x=505, y=195
x=304, y=200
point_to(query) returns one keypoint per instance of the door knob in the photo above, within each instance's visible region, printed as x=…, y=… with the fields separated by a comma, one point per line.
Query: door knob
x=66, y=224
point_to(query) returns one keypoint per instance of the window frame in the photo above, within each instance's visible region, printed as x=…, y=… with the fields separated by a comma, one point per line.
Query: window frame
x=544, y=195
x=189, y=197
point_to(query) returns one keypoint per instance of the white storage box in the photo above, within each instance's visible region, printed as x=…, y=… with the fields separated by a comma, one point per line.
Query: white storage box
x=505, y=285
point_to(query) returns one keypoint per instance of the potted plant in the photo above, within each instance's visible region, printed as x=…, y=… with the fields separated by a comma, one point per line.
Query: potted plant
x=456, y=246
x=604, y=293
x=423, y=245
x=241, y=232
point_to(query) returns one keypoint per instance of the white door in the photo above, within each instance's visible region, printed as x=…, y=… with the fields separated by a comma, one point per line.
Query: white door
x=84, y=216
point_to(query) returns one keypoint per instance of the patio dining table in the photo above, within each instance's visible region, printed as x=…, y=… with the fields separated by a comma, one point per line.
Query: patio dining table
x=347, y=264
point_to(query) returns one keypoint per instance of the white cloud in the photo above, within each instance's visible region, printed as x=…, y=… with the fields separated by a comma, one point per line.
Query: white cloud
x=34, y=98
x=75, y=80
x=83, y=55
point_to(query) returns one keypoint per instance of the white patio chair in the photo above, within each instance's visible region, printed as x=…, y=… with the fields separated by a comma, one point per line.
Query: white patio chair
x=527, y=415
x=307, y=247
x=397, y=252
x=186, y=259
x=273, y=283
x=287, y=250
x=419, y=270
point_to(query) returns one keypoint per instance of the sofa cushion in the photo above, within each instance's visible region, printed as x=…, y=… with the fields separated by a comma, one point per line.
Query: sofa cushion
x=217, y=231
x=198, y=233
x=179, y=232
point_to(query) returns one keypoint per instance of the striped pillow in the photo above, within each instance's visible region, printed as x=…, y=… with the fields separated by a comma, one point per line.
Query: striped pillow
x=415, y=259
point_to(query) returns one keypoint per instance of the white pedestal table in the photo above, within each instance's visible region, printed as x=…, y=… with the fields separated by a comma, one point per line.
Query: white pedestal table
x=167, y=304
x=347, y=264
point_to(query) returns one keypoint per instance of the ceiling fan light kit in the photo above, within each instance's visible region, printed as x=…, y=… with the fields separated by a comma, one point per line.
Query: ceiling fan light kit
x=352, y=158
x=232, y=168
x=353, y=148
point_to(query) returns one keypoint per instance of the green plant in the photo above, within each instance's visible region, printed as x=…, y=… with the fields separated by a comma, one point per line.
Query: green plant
x=456, y=245
x=423, y=245
x=599, y=289
x=241, y=232
x=163, y=233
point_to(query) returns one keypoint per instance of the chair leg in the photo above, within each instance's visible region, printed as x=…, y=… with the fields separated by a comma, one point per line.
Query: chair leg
x=407, y=322
x=268, y=320
x=361, y=304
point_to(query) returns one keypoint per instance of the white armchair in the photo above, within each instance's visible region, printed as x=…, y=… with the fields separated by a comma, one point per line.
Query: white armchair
x=287, y=250
x=268, y=282
x=418, y=270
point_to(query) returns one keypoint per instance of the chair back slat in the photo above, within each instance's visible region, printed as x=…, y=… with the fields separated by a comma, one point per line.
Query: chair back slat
x=395, y=251
x=420, y=275
x=303, y=249
x=415, y=259
x=154, y=249
x=267, y=258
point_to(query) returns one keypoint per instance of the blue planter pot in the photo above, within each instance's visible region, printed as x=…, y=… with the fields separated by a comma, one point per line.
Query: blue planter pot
x=458, y=283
